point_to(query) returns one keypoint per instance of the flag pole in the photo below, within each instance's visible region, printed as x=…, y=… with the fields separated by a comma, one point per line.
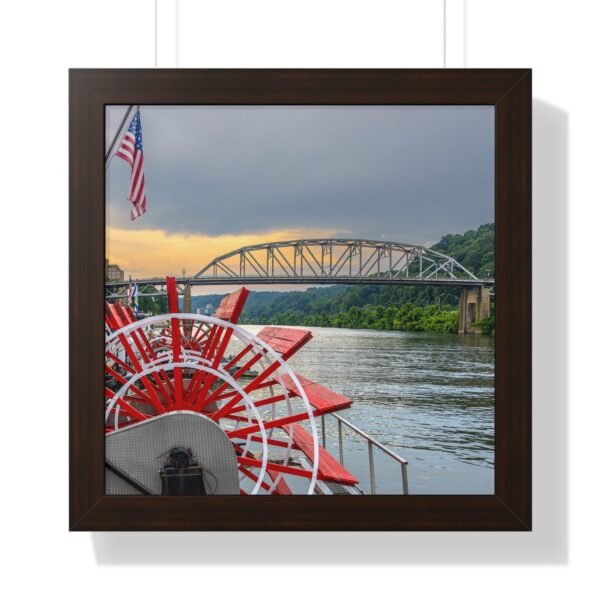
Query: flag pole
x=118, y=135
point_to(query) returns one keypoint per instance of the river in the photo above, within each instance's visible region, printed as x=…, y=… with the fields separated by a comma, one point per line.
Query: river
x=429, y=397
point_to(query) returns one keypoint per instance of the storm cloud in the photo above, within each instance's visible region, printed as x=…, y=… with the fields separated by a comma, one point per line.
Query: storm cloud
x=401, y=173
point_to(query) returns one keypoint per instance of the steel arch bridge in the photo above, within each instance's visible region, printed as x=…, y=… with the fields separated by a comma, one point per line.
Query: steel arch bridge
x=323, y=261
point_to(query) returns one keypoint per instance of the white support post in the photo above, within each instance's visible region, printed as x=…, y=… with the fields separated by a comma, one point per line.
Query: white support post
x=455, y=34
x=166, y=40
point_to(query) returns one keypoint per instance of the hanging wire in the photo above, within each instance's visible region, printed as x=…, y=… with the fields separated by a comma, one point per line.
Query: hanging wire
x=176, y=34
x=155, y=34
x=176, y=2
x=444, y=35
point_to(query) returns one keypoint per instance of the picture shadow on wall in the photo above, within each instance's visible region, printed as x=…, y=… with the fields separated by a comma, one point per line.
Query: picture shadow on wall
x=547, y=543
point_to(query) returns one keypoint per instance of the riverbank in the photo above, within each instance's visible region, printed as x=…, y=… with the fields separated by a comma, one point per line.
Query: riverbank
x=407, y=317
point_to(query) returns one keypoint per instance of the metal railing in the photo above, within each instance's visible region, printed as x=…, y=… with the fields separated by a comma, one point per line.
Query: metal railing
x=372, y=442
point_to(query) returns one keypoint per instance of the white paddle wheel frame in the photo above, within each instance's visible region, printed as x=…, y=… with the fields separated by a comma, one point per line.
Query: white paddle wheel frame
x=152, y=367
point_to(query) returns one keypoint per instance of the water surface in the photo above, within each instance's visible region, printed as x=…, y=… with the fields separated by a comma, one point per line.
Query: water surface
x=429, y=397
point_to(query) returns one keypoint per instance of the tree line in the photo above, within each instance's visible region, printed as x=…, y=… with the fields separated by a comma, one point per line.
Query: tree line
x=407, y=317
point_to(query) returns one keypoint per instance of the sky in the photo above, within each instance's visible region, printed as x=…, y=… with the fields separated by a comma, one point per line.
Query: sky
x=222, y=177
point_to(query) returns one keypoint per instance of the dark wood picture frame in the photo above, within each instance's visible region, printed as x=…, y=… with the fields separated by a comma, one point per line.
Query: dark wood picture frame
x=509, y=91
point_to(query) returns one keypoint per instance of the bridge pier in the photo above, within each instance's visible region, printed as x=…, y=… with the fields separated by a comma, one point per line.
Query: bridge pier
x=474, y=305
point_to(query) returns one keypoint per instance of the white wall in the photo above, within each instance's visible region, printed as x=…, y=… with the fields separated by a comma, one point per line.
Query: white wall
x=40, y=40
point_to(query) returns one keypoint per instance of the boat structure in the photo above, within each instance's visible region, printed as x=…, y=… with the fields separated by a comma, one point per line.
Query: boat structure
x=197, y=405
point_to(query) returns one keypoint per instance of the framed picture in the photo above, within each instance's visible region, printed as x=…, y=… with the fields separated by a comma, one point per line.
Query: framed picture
x=300, y=300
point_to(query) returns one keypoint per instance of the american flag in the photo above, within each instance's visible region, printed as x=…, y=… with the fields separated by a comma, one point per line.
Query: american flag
x=132, y=294
x=130, y=150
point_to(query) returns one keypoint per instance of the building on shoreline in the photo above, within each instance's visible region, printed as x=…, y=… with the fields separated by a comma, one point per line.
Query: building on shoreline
x=113, y=272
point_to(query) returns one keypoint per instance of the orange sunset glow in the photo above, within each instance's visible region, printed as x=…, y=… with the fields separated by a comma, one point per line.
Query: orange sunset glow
x=154, y=253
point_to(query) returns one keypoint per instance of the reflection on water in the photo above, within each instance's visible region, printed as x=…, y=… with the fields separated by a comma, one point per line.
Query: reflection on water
x=429, y=397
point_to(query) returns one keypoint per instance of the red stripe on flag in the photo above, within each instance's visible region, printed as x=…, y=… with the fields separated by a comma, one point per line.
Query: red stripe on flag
x=133, y=155
x=126, y=157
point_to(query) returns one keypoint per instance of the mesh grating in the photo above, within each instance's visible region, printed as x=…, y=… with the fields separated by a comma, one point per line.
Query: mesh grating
x=140, y=451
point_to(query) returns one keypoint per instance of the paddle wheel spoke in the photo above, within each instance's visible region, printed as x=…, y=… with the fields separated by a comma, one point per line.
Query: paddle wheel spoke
x=245, y=431
x=118, y=361
x=254, y=477
x=297, y=471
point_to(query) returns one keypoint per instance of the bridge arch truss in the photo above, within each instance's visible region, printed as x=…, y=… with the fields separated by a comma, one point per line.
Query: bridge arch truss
x=322, y=262
x=336, y=259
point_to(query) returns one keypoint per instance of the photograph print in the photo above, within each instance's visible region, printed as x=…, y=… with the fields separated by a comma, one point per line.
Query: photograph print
x=299, y=300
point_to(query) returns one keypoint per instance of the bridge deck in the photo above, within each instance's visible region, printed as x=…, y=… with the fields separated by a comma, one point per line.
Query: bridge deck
x=113, y=288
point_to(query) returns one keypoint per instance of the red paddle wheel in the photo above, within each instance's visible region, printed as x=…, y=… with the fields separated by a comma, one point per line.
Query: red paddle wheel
x=239, y=383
